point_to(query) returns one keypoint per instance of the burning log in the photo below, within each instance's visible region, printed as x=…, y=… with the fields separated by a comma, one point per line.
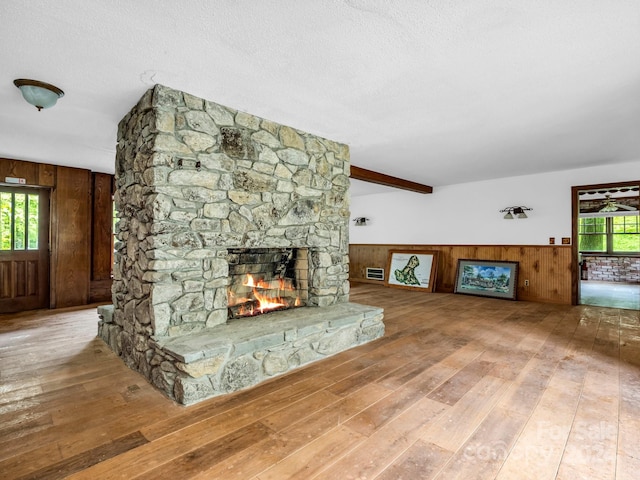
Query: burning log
x=265, y=296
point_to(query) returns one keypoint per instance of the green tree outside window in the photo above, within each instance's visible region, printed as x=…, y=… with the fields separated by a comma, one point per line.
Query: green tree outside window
x=19, y=221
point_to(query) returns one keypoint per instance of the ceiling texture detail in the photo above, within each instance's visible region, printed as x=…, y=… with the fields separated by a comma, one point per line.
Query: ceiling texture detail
x=437, y=92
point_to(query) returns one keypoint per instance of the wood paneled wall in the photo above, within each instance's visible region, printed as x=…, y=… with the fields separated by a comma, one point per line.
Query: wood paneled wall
x=80, y=229
x=101, y=237
x=548, y=268
x=71, y=227
x=40, y=174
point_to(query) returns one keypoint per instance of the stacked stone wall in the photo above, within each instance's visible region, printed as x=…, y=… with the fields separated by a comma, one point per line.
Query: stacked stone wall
x=194, y=179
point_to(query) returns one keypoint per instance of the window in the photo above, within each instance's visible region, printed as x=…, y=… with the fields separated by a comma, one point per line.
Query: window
x=618, y=234
x=625, y=234
x=18, y=221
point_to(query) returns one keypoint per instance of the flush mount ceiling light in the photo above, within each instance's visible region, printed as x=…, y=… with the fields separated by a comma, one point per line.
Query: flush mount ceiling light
x=518, y=211
x=39, y=94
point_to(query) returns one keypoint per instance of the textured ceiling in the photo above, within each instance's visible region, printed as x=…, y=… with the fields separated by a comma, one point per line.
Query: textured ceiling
x=439, y=92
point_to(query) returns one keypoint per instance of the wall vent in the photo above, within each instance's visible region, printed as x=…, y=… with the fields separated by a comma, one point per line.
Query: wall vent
x=375, y=273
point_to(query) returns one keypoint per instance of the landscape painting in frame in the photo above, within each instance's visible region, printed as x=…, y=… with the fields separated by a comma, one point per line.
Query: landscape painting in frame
x=412, y=269
x=497, y=279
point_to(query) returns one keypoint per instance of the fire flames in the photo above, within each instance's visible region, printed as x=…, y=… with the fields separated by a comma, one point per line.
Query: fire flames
x=267, y=296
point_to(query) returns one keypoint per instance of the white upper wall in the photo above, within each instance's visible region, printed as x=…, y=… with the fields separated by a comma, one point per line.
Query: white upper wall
x=468, y=213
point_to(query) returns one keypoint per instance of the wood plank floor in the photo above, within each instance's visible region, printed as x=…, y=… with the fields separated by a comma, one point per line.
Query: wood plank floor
x=459, y=387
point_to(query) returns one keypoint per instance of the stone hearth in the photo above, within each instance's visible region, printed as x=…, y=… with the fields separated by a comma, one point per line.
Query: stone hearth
x=242, y=353
x=194, y=181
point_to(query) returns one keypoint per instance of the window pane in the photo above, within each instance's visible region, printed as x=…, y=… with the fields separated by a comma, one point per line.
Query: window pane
x=592, y=243
x=582, y=225
x=626, y=224
x=32, y=233
x=5, y=221
x=20, y=213
x=626, y=242
x=592, y=225
x=618, y=224
x=600, y=225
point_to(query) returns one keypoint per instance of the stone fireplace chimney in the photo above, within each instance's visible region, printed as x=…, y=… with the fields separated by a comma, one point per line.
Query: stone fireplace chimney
x=194, y=181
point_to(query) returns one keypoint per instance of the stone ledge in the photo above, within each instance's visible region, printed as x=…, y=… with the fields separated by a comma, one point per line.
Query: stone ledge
x=263, y=332
x=227, y=358
x=105, y=312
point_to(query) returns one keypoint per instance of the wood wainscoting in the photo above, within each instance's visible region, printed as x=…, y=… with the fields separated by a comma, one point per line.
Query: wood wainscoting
x=548, y=268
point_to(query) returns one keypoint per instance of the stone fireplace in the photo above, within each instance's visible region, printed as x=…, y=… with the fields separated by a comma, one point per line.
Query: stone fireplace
x=221, y=213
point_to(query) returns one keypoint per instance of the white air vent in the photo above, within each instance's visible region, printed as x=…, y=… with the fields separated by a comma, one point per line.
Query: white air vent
x=375, y=273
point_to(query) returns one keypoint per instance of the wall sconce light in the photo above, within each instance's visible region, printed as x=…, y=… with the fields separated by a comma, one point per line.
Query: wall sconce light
x=39, y=94
x=361, y=221
x=518, y=211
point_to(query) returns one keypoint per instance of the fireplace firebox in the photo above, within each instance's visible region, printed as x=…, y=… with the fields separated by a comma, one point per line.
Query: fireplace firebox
x=263, y=280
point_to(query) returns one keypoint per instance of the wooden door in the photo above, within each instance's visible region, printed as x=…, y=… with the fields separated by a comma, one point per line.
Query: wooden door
x=24, y=248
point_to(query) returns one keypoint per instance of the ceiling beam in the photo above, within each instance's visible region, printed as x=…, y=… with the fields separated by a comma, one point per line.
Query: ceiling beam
x=365, y=175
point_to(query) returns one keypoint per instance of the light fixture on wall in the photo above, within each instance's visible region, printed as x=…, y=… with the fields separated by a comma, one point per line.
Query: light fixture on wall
x=39, y=94
x=361, y=221
x=518, y=211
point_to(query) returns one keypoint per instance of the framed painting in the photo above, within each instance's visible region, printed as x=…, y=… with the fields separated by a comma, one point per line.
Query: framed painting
x=487, y=278
x=412, y=269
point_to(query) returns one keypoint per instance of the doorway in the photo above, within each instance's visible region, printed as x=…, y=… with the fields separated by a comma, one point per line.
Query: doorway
x=606, y=249
x=24, y=248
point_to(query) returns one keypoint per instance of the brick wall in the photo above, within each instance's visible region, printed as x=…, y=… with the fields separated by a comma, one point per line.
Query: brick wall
x=613, y=269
